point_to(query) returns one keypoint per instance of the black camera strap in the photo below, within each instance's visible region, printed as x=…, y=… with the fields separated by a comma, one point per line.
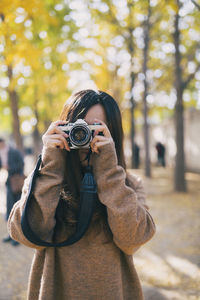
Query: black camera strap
x=88, y=199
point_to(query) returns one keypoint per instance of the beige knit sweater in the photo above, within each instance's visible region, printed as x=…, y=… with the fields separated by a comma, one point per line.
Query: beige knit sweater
x=100, y=265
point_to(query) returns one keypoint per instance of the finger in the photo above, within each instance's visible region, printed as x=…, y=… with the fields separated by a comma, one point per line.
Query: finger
x=100, y=121
x=101, y=144
x=96, y=148
x=102, y=128
x=56, y=130
x=56, y=123
x=55, y=137
x=60, y=122
x=65, y=143
x=96, y=139
x=60, y=131
x=63, y=139
x=53, y=143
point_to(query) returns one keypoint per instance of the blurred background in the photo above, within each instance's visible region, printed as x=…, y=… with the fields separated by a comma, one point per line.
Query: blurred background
x=146, y=54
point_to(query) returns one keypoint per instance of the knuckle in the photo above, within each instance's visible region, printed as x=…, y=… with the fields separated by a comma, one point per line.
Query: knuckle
x=63, y=138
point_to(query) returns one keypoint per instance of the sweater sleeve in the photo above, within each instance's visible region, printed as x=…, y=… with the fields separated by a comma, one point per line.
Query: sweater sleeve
x=45, y=198
x=128, y=217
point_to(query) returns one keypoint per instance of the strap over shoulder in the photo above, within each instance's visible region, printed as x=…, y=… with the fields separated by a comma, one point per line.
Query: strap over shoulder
x=88, y=199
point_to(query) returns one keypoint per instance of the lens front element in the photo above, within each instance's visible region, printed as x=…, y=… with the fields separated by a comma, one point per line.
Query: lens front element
x=80, y=135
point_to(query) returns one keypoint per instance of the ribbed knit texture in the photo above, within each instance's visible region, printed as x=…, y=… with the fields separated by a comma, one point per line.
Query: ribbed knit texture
x=99, y=266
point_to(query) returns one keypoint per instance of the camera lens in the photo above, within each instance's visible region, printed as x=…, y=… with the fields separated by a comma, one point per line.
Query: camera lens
x=80, y=135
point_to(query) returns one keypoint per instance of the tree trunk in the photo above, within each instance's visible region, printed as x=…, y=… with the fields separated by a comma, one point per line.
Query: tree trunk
x=14, y=109
x=36, y=134
x=37, y=141
x=130, y=48
x=115, y=86
x=132, y=101
x=179, y=176
x=132, y=109
x=37, y=138
x=180, y=183
x=145, y=107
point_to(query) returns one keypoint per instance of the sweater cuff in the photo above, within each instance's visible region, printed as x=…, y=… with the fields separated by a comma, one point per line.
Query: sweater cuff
x=53, y=158
x=107, y=158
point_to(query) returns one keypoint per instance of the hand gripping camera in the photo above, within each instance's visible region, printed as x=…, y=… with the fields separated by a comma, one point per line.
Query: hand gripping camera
x=80, y=134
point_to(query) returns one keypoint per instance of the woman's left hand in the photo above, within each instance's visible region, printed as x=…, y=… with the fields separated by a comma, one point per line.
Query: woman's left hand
x=99, y=140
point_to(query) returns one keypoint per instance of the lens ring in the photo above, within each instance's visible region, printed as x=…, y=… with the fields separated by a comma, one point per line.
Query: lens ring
x=80, y=135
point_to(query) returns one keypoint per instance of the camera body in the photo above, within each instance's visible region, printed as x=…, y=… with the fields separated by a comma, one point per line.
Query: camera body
x=80, y=134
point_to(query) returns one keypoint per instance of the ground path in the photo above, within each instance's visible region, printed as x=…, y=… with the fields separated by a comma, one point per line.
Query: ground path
x=169, y=265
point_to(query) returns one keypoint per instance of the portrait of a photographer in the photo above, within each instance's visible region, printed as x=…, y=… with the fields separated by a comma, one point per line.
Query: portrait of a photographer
x=100, y=264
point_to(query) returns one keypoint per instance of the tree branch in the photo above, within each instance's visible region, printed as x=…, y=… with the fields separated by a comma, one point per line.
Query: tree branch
x=191, y=55
x=196, y=4
x=190, y=77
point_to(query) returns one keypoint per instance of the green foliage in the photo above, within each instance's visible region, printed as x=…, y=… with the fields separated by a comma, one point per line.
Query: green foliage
x=46, y=41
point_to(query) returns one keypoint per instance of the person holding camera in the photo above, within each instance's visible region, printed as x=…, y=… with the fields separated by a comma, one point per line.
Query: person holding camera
x=94, y=263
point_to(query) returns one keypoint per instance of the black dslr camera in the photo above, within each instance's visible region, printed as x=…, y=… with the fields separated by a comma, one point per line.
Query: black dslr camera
x=80, y=134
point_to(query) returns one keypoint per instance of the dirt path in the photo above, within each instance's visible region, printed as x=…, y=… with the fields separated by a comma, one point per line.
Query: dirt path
x=14, y=269
x=14, y=261
x=169, y=265
x=170, y=262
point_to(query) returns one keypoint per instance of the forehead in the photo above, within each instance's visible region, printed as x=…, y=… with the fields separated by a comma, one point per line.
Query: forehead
x=95, y=112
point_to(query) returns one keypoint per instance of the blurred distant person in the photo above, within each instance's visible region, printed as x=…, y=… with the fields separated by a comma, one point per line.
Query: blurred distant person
x=160, y=148
x=11, y=160
x=136, y=153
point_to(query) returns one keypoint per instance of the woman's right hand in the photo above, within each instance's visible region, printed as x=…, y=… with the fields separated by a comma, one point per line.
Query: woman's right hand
x=54, y=137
